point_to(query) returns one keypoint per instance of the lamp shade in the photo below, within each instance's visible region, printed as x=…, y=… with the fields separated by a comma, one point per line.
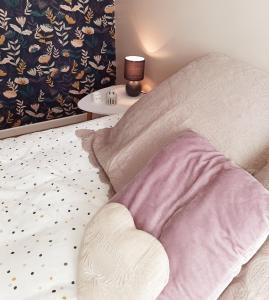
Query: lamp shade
x=134, y=68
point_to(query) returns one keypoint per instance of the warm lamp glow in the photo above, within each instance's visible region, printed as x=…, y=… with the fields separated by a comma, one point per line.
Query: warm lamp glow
x=135, y=58
x=148, y=85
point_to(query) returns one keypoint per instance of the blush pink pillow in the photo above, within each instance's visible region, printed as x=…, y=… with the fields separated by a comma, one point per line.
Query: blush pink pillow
x=252, y=281
x=222, y=99
x=210, y=215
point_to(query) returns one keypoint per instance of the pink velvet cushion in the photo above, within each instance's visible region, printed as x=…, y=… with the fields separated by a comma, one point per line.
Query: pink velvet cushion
x=210, y=215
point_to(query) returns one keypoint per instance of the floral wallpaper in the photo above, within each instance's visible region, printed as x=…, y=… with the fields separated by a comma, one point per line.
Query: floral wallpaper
x=53, y=53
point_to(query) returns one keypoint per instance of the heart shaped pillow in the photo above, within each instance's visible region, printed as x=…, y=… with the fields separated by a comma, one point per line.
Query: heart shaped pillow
x=117, y=261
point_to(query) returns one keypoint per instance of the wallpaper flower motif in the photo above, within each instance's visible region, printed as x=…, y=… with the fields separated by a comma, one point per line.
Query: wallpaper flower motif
x=53, y=53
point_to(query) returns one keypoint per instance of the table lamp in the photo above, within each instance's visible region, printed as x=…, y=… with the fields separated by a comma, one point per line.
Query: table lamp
x=134, y=72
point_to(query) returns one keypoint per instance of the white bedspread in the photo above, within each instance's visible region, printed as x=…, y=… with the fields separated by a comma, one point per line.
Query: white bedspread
x=48, y=193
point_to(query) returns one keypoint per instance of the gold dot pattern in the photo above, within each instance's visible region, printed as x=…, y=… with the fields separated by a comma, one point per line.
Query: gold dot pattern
x=48, y=192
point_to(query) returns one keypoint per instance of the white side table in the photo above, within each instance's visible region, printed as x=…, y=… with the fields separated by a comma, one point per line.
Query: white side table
x=95, y=103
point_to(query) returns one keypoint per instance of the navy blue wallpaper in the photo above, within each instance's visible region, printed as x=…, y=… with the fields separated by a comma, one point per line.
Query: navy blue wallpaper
x=52, y=53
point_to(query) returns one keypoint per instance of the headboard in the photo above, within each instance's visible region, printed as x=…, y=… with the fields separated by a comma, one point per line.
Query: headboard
x=52, y=53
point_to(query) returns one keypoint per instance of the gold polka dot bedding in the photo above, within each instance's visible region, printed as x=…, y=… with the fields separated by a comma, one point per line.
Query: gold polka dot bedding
x=48, y=193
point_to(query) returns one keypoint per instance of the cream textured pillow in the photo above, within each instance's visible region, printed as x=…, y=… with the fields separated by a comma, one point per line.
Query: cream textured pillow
x=119, y=262
x=224, y=100
x=263, y=176
x=252, y=283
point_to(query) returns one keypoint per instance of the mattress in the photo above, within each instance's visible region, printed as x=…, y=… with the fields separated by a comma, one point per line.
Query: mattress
x=48, y=193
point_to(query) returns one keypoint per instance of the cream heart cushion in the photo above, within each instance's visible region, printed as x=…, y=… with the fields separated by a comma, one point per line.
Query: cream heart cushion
x=119, y=262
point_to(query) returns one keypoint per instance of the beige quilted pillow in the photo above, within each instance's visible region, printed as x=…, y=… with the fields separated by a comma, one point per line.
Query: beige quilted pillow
x=222, y=99
x=119, y=262
x=263, y=176
x=253, y=281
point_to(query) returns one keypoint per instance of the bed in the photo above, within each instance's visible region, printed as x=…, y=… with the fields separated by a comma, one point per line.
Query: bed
x=177, y=179
x=48, y=192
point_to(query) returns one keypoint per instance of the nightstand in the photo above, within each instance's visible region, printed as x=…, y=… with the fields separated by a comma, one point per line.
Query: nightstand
x=95, y=103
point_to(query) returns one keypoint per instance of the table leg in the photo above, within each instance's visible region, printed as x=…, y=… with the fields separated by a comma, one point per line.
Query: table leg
x=89, y=116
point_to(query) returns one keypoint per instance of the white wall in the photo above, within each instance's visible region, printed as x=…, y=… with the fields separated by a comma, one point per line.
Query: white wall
x=170, y=33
